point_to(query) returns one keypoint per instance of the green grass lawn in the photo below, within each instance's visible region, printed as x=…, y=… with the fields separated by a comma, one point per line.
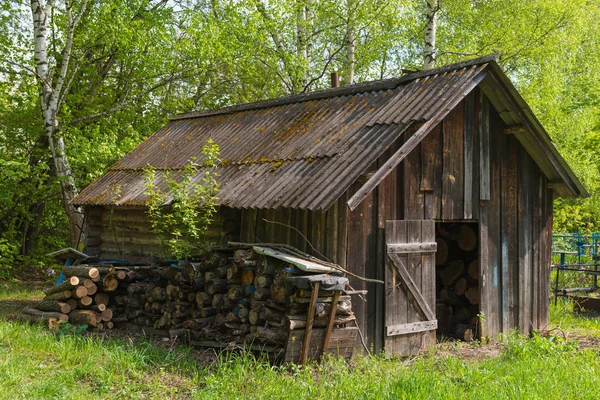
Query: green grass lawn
x=38, y=364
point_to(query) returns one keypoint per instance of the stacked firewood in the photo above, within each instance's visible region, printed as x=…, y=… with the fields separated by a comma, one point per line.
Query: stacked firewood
x=457, y=269
x=231, y=296
x=82, y=298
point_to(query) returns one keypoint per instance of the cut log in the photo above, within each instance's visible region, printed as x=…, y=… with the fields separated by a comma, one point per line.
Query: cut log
x=271, y=335
x=45, y=314
x=235, y=292
x=452, y=271
x=467, y=238
x=85, y=301
x=232, y=272
x=254, y=318
x=216, y=286
x=81, y=270
x=121, y=275
x=441, y=254
x=465, y=332
x=79, y=292
x=58, y=288
x=61, y=295
x=473, y=270
x=92, y=289
x=81, y=317
x=203, y=299
x=263, y=281
x=88, y=283
x=278, y=293
x=106, y=315
x=73, y=303
x=74, y=280
x=461, y=286
x=247, y=277
x=472, y=294
x=53, y=305
x=110, y=283
x=449, y=297
x=101, y=298
x=98, y=308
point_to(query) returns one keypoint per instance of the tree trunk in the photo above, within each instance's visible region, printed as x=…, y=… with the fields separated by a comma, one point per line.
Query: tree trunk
x=349, y=38
x=51, y=94
x=429, y=56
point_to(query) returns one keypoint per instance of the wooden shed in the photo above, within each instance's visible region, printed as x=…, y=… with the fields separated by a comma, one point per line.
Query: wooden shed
x=374, y=176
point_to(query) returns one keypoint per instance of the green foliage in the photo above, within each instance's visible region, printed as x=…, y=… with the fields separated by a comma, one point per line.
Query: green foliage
x=70, y=329
x=136, y=62
x=182, y=214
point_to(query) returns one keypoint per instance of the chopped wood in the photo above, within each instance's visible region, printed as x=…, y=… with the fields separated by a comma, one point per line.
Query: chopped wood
x=467, y=238
x=61, y=295
x=53, y=305
x=472, y=294
x=85, y=301
x=452, y=271
x=460, y=286
x=101, y=298
x=58, y=288
x=73, y=303
x=91, y=289
x=81, y=270
x=81, y=317
x=79, y=292
x=45, y=314
x=441, y=255
x=473, y=270
x=74, y=280
x=465, y=332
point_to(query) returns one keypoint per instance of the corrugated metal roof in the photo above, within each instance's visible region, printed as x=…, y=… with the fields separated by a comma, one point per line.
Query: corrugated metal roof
x=299, y=152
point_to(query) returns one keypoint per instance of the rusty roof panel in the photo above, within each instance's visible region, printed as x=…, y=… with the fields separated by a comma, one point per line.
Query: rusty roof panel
x=298, y=154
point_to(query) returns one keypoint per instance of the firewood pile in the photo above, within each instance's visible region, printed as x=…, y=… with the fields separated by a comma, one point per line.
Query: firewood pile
x=457, y=269
x=230, y=297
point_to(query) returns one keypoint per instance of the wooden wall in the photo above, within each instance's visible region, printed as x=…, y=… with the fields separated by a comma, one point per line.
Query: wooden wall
x=125, y=233
x=468, y=169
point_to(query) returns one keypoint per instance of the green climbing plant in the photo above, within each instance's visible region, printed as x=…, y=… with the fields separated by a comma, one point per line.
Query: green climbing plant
x=181, y=209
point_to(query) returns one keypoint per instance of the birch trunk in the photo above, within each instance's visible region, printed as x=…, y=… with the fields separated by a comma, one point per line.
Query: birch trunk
x=51, y=94
x=350, y=38
x=429, y=51
x=303, y=19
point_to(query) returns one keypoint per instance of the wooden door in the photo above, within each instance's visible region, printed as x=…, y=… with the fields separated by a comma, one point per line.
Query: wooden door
x=410, y=320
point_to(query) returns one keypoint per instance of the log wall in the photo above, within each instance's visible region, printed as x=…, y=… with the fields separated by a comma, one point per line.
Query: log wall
x=126, y=234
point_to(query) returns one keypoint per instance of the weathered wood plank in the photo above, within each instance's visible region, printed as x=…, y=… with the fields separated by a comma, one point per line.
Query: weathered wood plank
x=536, y=188
x=468, y=155
x=396, y=304
x=525, y=221
x=413, y=327
x=453, y=165
x=412, y=247
x=414, y=204
x=402, y=268
x=494, y=237
x=360, y=232
x=475, y=148
x=428, y=277
x=484, y=148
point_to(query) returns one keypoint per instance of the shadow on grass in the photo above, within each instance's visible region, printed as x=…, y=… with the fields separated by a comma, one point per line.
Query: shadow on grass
x=15, y=295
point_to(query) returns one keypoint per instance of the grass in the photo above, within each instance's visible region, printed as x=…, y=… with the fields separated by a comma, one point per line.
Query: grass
x=38, y=364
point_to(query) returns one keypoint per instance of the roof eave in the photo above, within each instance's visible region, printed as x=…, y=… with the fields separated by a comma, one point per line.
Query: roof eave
x=535, y=139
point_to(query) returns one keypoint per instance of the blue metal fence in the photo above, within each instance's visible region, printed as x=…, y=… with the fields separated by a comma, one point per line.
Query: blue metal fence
x=575, y=262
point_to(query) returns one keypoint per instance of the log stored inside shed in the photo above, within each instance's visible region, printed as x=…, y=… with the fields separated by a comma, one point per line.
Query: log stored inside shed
x=457, y=280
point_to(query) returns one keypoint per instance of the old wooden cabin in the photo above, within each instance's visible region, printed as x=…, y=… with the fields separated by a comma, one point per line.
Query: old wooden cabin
x=373, y=175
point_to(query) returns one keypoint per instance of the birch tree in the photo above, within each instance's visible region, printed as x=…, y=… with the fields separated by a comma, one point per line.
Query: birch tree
x=53, y=87
x=429, y=50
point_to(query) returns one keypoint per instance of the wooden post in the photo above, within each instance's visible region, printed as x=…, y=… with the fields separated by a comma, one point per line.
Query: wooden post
x=334, y=303
x=309, y=324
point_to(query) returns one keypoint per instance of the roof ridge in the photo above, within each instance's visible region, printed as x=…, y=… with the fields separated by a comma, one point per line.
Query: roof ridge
x=371, y=86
